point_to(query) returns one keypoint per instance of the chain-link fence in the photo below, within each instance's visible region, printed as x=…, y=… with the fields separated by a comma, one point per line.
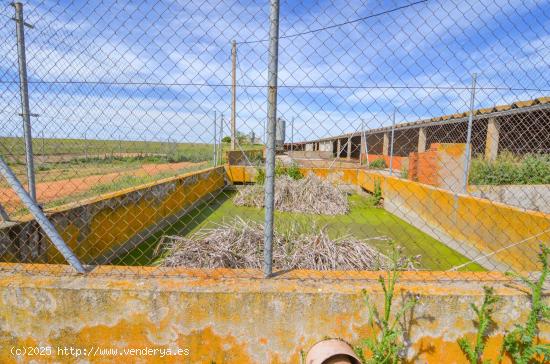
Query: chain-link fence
x=150, y=136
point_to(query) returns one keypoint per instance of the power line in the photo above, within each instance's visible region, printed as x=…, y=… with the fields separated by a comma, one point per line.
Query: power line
x=206, y=84
x=339, y=24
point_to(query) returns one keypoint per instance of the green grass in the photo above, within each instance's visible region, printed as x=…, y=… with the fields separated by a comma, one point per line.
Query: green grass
x=509, y=169
x=363, y=221
x=175, y=152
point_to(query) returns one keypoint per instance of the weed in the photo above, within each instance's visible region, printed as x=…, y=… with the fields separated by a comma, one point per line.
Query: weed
x=521, y=343
x=379, y=163
x=293, y=171
x=404, y=173
x=387, y=346
x=484, y=321
x=377, y=194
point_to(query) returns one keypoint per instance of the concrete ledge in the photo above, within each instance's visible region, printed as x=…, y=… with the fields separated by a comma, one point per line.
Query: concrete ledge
x=229, y=319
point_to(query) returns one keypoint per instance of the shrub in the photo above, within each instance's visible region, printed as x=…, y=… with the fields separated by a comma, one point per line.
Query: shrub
x=510, y=169
x=377, y=194
x=404, y=172
x=292, y=171
x=226, y=139
x=379, y=163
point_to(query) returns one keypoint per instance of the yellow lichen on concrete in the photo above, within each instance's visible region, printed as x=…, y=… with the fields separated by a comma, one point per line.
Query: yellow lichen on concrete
x=237, y=320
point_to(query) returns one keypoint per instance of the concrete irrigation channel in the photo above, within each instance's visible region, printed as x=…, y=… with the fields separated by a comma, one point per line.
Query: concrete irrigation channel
x=124, y=227
x=235, y=315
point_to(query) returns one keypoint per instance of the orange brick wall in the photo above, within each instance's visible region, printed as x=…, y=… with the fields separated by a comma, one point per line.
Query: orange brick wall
x=423, y=166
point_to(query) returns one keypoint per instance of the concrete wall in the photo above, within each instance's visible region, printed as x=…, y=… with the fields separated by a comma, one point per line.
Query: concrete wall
x=326, y=146
x=398, y=162
x=238, y=317
x=235, y=316
x=529, y=197
x=470, y=225
x=237, y=157
x=312, y=154
x=101, y=228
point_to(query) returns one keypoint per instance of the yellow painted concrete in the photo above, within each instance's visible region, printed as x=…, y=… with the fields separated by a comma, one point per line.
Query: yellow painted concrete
x=234, y=316
x=97, y=227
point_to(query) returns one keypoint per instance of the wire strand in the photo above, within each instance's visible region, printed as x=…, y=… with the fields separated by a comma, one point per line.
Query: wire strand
x=339, y=24
x=206, y=84
x=498, y=251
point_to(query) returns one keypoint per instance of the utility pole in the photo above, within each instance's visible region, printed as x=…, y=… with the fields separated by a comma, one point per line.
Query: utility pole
x=24, y=91
x=233, y=94
x=269, y=186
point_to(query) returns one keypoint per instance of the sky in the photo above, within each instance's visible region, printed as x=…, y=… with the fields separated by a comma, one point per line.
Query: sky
x=160, y=70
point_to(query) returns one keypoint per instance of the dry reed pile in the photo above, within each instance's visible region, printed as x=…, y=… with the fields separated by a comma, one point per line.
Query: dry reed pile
x=307, y=195
x=239, y=244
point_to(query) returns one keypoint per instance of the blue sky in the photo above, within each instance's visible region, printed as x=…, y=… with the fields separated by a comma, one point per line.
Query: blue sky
x=124, y=71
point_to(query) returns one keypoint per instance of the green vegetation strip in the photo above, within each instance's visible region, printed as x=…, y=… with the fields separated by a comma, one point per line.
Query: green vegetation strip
x=509, y=169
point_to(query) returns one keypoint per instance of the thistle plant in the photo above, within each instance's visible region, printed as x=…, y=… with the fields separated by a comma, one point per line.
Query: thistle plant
x=474, y=352
x=521, y=343
x=387, y=346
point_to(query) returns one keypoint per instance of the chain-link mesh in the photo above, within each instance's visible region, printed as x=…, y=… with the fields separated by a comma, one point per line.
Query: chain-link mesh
x=131, y=114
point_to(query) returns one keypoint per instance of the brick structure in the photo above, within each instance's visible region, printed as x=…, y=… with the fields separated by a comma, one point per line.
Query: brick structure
x=442, y=165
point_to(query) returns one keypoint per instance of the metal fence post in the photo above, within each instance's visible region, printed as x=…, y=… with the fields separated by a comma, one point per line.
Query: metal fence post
x=270, y=142
x=467, y=154
x=292, y=136
x=362, y=143
x=220, y=158
x=366, y=148
x=24, y=90
x=391, y=143
x=40, y=217
x=215, y=156
x=233, y=94
x=3, y=214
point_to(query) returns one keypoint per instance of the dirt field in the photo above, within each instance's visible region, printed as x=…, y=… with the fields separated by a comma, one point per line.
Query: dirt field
x=61, y=189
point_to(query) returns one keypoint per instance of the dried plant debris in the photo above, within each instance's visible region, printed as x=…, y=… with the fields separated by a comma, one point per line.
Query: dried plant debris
x=239, y=244
x=310, y=195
